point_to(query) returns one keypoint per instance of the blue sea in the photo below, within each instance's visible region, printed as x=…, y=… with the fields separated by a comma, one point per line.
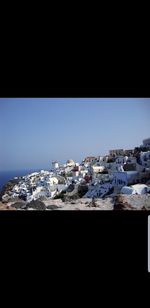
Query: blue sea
x=5, y=176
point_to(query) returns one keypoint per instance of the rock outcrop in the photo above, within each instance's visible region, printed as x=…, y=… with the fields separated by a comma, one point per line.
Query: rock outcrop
x=37, y=205
x=132, y=202
x=119, y=202
x=80, y=204
x=6, y=207
x=20, y=205
x=8, y=187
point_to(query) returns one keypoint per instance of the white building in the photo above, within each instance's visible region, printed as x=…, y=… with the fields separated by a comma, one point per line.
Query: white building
x=120, y=160
x=146, y=142
x=53, y=180
x=111, y=167
x=120, y=168
x=120, y=178
x=124, y=178
x=83, y=172
x=98, y=191
x=55, y=165
x=39, y=192
x=52, y=193
x=145, y=158
x=131, y=160
x=139, y=189
x=97, y=169
x=32, y=174
x=127, y=190
x=125, y=159
x=75, y=173
x=16, y=189
x=100, y=158
x=70, y=163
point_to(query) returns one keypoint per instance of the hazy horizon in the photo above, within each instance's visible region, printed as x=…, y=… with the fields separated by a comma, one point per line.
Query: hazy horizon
x=35, y=131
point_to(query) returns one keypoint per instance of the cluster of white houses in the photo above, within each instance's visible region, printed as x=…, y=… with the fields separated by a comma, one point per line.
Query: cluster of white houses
x=117, y=170
x=38, y=184
x=113, y=173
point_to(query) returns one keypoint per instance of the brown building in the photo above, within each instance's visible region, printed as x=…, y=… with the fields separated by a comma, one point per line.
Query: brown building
x=128, y=152
x=90, y=159
x=146, y=142
x=116, y=152
x=76, y=168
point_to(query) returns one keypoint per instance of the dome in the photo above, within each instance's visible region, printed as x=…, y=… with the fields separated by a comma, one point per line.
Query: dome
x=70, y=162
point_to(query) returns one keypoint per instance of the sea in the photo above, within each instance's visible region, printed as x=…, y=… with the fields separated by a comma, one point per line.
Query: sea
x=5, y=176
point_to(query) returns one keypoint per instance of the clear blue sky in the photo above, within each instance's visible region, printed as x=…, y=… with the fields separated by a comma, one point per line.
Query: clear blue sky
x=35, y=131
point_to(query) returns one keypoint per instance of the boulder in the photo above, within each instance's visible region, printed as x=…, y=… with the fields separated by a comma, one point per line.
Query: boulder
x=37, y=205
x=132, y=202
x=6, y=207
x=19, y=205
x=52, y=207
x=50, y=202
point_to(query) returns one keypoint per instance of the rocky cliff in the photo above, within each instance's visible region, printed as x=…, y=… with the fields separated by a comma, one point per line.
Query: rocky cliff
x=120, y=202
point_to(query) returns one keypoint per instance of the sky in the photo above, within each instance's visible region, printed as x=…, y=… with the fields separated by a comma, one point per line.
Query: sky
x=35, y=131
